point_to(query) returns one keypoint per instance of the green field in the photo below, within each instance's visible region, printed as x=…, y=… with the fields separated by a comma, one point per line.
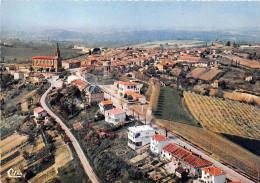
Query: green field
x=23, y=54
x=169, y=107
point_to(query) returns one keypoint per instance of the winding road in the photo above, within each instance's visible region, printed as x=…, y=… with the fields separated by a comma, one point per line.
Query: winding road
x=89, y=171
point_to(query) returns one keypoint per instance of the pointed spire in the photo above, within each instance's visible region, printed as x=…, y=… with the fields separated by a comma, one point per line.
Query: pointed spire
x=57, y=51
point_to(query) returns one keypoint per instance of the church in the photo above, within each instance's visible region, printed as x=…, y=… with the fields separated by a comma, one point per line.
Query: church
x=48, y=63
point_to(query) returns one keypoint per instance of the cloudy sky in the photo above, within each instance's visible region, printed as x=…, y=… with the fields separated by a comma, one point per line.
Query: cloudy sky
x=129, y=15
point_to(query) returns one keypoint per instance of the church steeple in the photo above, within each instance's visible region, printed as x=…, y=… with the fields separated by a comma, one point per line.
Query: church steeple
x=57, y=51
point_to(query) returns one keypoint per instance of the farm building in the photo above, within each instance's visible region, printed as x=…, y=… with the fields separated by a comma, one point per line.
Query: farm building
x=186, y=159
x=39, y=112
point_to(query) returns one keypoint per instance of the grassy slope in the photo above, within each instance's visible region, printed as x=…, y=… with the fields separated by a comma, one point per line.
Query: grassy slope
x=221, y=148
x=169, y=107
x=29, y=53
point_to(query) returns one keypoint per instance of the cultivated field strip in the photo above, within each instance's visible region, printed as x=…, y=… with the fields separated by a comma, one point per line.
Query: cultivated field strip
x=225, y=116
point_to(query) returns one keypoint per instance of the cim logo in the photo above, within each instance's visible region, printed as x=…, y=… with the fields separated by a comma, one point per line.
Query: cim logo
x=13, y=174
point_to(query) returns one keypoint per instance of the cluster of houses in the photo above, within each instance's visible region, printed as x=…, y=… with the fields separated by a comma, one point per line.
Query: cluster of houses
x=180, y=160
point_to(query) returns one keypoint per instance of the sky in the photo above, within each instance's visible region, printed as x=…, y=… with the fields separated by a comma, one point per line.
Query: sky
x=128, y=15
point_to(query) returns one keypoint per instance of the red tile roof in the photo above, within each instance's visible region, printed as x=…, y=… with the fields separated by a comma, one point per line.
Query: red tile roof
x=189, y=58
x=108, y=102
x=126, y=83
x=196, y=161
x=116, y=111
x=39, y=109
x=44, y=57
x=45, y=65
x=215, y=171
x=159, y=137
x=81, y=84
x=136, y=95
x=186, y=156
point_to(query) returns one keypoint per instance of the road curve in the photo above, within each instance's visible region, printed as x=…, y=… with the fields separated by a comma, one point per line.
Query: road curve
x=89, y=171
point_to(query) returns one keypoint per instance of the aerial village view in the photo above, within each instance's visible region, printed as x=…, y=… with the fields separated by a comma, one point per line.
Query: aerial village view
x=122, y=92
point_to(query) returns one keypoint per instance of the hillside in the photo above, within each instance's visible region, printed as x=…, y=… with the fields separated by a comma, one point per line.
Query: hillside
x=225, y=116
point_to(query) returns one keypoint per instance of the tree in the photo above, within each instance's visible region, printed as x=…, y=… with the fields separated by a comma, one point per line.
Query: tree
x=31, y=68
x=228, y=43
x=129, y=97
x=125, y=95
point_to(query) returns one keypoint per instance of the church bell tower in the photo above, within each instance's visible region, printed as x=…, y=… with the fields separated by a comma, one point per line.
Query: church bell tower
x=57, y=51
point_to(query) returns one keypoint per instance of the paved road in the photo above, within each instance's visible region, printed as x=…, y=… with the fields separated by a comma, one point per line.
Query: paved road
x=89, y=171
x=231, y=174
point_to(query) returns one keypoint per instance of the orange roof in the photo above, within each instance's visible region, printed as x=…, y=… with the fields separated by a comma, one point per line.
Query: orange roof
x=159, y=137
x=215, y=171
x=80, y=84
x=45, y=65
x=135, y=95
x=39, y=109
x=108, y=102
x=190, y=58
x=186, y=156
x=44, y=57
x=126, y=83
x=116, y=111
x=196, y=161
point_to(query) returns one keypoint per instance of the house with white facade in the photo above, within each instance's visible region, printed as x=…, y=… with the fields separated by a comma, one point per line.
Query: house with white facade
x=115, y=116
x=213, y=174
x=39, y=112
x=182, y=157
x=136, y=97
x=158, y=142
x=18, y=75
x=105, y=105
x=127, y=86
x=138, y=136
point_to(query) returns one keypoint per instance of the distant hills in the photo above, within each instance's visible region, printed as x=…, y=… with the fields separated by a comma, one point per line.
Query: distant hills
x=115, y=38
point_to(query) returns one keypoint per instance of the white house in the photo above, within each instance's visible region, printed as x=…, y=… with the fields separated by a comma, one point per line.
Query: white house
x=72, y=78
x=182, y=157
x=115, y=115
x=127, y=86
x=105, y=105
x=213, y=174
x=39, y=112
x=158, y=142
x=18, y=75
x=139, y=136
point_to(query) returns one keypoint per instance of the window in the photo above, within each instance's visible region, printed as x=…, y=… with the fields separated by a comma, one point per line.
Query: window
x=138, y=143
x=137, y=135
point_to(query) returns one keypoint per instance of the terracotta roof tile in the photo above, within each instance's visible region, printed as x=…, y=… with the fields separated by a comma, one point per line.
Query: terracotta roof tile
x=45, y=57
x=108, y=102
x=215, y=171
x=159, y=137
